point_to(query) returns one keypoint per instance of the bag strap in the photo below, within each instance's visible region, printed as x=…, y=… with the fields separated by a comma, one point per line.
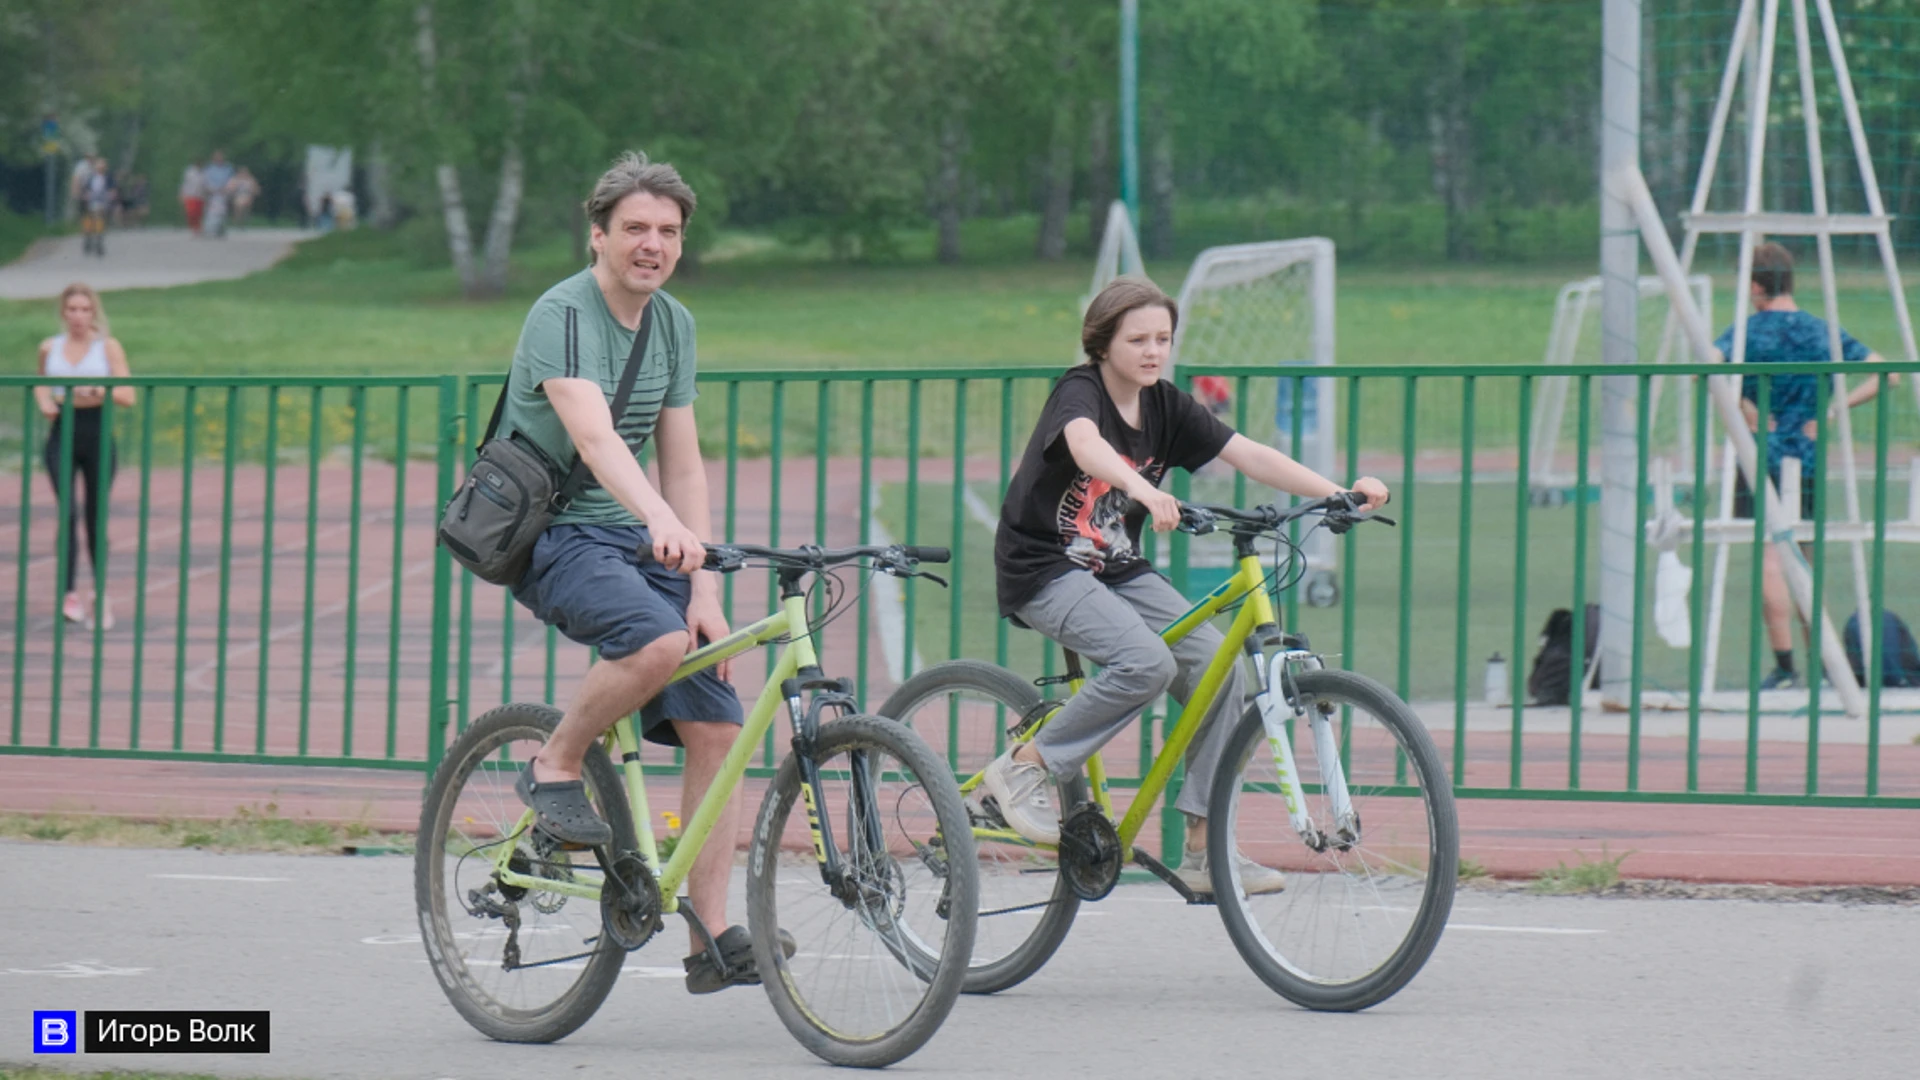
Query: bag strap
x=578, y=475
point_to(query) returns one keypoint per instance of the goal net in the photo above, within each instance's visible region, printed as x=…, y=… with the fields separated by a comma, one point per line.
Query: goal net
x=1267, y=306
x=1575, y=339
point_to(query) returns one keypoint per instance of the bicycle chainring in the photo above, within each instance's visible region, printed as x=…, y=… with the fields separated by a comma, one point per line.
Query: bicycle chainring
x=630, y=901
x=1090, y=852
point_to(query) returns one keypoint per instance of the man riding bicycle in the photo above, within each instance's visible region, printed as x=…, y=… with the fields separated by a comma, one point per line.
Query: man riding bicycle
x=586, y=576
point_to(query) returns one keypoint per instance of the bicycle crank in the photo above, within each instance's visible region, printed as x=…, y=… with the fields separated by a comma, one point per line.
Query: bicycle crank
x=1090, y=852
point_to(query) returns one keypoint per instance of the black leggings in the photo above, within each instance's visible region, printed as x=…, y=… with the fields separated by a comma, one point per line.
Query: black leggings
x=92, y=454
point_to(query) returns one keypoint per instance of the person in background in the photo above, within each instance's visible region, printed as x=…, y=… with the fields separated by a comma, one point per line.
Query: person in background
x=245, y=190
x=193, y=196
x=97, y=198
x=1778, y=332
x=84, y=350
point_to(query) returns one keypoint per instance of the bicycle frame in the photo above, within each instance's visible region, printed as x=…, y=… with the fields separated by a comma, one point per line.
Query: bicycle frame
x=1255, y=614
x=798, y=656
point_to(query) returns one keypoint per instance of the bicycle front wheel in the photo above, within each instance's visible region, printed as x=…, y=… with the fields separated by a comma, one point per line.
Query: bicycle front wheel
x=884, y=939
x=521, y=964
x=1359, y=913
x=1026, y=904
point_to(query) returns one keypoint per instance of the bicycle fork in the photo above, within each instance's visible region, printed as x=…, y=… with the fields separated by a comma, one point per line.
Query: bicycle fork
x=1277, y=704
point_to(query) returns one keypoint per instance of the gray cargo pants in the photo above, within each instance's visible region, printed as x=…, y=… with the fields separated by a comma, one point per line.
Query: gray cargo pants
x=1118, y=627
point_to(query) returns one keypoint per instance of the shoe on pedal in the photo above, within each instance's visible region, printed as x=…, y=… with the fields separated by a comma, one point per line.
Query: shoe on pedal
x=1021, y=789
x=736, y=949
x=1195, y=873
x=561, y=809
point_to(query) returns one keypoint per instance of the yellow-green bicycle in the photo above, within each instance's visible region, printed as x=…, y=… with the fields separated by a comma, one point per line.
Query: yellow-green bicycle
x=1328, y=777
x=875, y=881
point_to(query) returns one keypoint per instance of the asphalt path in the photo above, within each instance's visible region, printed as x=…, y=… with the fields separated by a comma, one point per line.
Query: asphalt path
x=1520, y=986
x=145, y=259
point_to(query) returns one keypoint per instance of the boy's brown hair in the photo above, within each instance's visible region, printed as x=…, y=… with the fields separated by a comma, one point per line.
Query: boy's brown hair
x=1104, y=315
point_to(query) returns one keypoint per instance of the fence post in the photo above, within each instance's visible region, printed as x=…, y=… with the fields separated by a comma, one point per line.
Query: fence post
x=437, y=702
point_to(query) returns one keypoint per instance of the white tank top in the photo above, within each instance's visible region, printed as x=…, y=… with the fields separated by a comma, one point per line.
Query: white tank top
x=94, y=363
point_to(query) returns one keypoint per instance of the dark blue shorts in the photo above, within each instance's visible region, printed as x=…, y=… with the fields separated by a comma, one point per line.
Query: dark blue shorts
x=586, y=582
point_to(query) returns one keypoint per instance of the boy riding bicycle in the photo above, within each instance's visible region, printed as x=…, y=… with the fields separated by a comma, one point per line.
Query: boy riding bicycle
x=1068, y=553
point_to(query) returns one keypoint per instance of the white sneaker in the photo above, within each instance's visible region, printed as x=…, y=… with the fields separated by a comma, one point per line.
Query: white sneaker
x=1255, y=879
x=1020, y=787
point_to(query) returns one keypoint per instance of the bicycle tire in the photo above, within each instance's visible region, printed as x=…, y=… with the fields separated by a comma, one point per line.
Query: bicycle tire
x=445, y=932
x=1371, y=880
x=786, y=979
x=1001, y=865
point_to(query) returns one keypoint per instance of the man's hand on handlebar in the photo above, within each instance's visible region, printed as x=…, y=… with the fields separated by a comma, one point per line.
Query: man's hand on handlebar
x=676, y=547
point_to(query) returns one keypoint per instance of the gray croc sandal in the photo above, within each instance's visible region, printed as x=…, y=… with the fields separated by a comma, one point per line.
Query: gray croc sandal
x=561, y=809
x=735, y=946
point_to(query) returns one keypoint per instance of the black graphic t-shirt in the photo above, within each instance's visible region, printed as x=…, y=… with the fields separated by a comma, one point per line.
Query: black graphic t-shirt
x=1057, y=519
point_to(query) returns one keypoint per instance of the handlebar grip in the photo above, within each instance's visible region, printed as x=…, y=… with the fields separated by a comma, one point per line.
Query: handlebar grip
x=928, y=554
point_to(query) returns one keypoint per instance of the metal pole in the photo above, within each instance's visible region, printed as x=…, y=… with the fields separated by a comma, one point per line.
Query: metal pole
x=1130, y=108
x=1619, y=326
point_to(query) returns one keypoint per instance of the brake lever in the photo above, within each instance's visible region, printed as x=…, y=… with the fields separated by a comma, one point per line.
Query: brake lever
x=935, y=578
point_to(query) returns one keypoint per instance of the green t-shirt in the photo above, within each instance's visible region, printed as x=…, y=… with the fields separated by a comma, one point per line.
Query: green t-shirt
x=570, y=333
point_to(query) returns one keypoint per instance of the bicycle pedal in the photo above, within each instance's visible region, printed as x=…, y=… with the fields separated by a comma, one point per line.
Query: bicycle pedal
x=985, y=812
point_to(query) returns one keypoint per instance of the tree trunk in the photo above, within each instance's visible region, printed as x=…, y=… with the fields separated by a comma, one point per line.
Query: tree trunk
x=1158, y=238
x=506, y=211
x=382, y=211
x=446, y=175
x=1058, y=202
x=1100, y=181
x=947, y=191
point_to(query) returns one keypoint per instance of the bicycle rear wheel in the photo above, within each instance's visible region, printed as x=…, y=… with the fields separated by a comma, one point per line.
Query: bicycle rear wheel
x=1026, y=904
x=1357, y=919
x=882, y=949
x=520, y=964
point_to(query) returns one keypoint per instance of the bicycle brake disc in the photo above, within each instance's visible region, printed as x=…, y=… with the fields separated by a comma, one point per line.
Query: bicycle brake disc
x=1090, y=852
x=630, y=901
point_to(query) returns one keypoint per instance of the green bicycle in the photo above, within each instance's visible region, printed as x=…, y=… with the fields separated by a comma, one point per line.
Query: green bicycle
x=875, y=881
x=1360, y=819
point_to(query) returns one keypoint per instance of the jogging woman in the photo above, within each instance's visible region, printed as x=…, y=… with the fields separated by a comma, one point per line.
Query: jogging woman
x=83, y=351
x=1068, y=555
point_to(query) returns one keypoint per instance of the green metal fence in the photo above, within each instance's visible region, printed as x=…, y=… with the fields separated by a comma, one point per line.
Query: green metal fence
x=279, y=598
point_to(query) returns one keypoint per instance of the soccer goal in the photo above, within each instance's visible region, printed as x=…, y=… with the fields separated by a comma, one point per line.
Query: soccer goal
x=1268, y=306
x=1575, y=339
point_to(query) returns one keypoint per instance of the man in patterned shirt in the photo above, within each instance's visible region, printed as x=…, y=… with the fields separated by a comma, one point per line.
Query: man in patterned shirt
x=1778, y=332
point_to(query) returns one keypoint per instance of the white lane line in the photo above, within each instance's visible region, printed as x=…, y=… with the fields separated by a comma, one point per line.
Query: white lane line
x=890, y=605
x=1522, y=929
x=978, y=510
x=214, y=877
x=197, y=675
x=76, y=969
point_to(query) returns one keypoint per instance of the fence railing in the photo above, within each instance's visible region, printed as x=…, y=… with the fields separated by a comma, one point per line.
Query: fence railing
x=277, y=597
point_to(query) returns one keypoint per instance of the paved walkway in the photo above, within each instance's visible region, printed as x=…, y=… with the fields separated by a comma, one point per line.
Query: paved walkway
x=145, y=259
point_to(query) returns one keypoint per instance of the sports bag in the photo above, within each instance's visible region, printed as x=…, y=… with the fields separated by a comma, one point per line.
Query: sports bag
x=1899, y=654
x=510, y=495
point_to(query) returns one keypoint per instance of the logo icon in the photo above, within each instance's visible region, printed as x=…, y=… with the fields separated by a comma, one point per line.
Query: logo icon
x=56, y=1031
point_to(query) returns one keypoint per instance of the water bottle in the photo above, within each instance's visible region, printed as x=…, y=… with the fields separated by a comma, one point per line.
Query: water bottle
x=1496, y=680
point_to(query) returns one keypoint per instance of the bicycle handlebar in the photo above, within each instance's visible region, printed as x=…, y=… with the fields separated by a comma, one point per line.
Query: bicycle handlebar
x=1341, y=510
x=894, y=558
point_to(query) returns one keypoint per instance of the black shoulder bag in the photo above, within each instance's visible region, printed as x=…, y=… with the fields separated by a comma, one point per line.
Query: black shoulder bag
x=510, y=495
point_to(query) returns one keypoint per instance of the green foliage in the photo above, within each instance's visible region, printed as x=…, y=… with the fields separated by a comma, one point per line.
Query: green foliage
x=1473, y=869
x=1585, y=876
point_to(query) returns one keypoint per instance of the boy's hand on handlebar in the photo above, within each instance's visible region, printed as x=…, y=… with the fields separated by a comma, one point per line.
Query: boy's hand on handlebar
x=1164, y=507
x=1373, y=491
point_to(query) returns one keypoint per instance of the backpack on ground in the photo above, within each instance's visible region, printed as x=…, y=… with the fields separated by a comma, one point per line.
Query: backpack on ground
x=1551, y=681
x=1899, y=655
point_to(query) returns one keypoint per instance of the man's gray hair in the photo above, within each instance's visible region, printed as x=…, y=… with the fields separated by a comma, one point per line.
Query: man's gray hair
x=632, y=173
